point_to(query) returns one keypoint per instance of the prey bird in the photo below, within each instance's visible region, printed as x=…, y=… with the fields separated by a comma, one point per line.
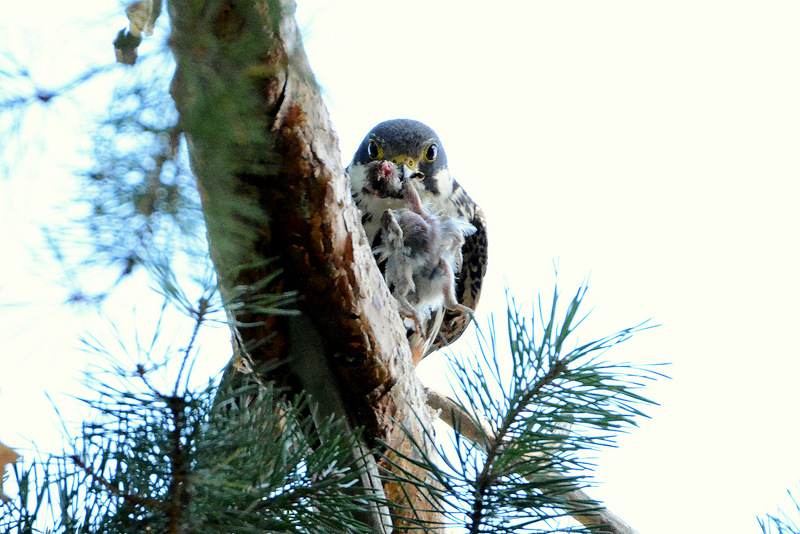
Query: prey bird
x=420, y=252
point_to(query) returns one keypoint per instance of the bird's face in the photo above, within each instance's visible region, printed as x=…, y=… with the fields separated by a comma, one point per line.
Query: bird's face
x=413, y=147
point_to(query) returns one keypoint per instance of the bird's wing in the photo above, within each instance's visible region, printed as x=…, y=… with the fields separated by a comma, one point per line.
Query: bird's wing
x=469, y=282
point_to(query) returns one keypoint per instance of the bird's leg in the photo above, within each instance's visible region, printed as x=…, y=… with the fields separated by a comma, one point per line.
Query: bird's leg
x=393, y=233
x=403, y=281
x=414, y=317
x=450, y=301
x=404, y=306
x=391, y=236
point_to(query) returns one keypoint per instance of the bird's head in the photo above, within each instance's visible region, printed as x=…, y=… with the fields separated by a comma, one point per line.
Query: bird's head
x=410, y=145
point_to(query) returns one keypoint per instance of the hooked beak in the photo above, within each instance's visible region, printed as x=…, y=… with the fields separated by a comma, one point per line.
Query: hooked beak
x=408, y=167
x=411, y=174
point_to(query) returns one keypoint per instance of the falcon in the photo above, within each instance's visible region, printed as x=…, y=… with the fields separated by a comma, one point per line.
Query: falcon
x=416, y=152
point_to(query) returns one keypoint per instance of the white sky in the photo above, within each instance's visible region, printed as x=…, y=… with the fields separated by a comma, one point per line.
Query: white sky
x=652, y=145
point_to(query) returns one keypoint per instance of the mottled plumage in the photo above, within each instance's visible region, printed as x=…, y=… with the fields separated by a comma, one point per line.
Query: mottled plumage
x=417, y=152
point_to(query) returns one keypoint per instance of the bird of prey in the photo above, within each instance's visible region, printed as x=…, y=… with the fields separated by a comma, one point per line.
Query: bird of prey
x=417, y=152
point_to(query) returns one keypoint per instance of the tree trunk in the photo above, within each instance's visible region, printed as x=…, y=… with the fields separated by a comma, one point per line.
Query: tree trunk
x=280, y=219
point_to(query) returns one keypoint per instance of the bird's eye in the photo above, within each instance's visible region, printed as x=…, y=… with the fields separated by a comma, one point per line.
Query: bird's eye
x=374, y=151
x=431, y=152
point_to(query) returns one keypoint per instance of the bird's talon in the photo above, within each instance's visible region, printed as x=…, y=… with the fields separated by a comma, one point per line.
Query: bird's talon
x=413, y=317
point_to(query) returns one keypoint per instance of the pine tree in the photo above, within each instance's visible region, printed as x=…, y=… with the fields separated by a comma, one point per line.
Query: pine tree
x=320, y=423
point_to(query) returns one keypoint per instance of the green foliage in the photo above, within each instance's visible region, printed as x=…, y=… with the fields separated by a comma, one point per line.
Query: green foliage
x=210, y=460
x=539, y=412
x=784, y=523
x=137, y=203
x=142, y=194
x=142, y=204
x=214, y=459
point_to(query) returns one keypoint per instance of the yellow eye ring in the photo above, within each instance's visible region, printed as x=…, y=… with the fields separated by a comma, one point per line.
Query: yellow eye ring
x=431, y=152
x=374, y=150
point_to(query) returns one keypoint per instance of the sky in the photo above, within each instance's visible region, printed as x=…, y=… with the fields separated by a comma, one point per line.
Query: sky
x=649, y=146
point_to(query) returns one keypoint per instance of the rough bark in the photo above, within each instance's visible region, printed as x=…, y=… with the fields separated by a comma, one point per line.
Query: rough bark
x=280, y=218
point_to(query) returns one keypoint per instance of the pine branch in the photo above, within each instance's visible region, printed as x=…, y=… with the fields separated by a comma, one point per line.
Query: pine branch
x=785, y=523
x=527, y=426
x=136, y=500
x=577, y=502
